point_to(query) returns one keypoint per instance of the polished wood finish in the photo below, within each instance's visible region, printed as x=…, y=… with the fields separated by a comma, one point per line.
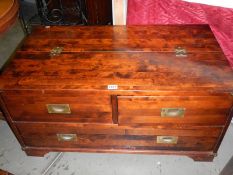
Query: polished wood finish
x=116, y=81
x=110, y=137
x=104, y=55
x=209, y=110
x=26, y=107
x=8, y=14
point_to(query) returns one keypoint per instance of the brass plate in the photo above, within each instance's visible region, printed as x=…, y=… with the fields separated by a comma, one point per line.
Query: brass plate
x=173, y=112
x=58, y=108
x=66, y=137
x=167, y=139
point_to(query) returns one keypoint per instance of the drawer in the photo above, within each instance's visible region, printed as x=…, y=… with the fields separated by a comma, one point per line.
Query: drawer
x=115, y=137
x=77, y=107
x=194, y=110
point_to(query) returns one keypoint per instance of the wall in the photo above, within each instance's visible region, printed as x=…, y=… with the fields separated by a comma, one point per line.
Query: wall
x=119, y=10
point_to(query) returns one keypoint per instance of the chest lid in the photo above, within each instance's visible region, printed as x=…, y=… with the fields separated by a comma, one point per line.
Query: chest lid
x=192, y=38
x=161, y=57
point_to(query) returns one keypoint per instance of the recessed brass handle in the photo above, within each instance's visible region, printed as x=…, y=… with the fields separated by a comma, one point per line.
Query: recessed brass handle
x=58, y=108
x=167, y=139
x=66, y=137
x=172, y=112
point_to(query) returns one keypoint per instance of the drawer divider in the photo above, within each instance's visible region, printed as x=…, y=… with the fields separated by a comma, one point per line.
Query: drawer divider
x=114, y=102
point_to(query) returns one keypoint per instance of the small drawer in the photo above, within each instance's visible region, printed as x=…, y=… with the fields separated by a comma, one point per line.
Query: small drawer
x=60, y=107
x=197, y=110
x=117, y=137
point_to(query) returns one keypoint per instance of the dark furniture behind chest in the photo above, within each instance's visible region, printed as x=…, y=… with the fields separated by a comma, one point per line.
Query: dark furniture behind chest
x=75, y=12
x=138, y=89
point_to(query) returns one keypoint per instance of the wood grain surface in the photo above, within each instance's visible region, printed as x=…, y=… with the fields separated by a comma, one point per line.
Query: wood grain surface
x=208, y=110
x=134, y=58
x=94, y=136
x=140, y=63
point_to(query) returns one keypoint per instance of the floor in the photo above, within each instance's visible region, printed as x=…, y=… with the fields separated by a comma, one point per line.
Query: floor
x=14, y=160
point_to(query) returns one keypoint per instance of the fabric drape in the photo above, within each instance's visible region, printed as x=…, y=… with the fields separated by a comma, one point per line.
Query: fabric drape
x=179, y=12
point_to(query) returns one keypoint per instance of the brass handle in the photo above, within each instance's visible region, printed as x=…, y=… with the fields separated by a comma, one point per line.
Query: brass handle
x=58, y=108
x=67, y=137
x=167, y=139
x=172, y=112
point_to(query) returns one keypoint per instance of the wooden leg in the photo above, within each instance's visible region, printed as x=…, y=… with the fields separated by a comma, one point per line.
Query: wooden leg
x=196, y=156
x=35, y=152
x=228, y=169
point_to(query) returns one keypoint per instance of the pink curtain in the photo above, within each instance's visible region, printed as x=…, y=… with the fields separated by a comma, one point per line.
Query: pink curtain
x=179, y=12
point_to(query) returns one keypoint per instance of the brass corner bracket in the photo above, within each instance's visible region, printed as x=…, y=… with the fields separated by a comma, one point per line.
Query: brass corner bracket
x=56, y=51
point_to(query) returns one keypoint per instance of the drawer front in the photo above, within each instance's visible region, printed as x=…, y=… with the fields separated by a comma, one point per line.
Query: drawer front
x=78, y=107
x=113, y=137
x=197, y=110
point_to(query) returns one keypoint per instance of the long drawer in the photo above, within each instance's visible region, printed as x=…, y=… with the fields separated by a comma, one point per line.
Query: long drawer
x=199, y=110
x=116, y=137
x=82, y=107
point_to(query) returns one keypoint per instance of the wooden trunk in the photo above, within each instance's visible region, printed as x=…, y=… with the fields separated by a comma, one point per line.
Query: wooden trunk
x=163, y=89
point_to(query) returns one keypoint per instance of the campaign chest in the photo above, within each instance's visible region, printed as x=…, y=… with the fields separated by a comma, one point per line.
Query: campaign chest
x=164, y=89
